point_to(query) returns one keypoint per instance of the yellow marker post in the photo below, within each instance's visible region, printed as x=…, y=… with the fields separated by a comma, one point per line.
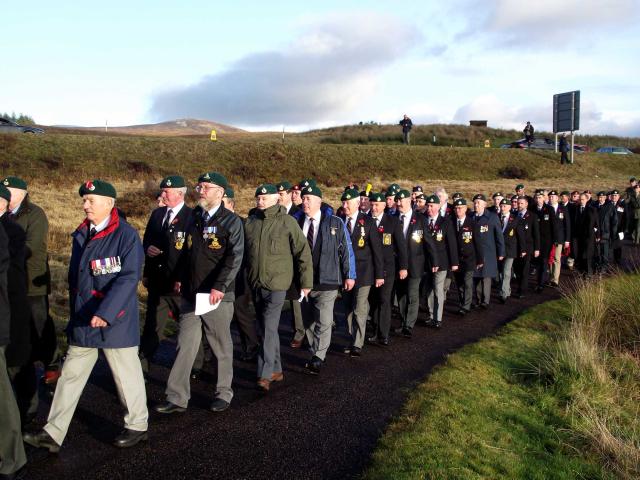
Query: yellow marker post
x=487, y=144
x=214, y=137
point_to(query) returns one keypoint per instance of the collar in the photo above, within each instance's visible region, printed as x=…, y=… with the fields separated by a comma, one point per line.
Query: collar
x=113, y=222
x=213, y=211
x=15, y=210
x=354, y=217
x=101, y=226
x=316, y=217
x=177, y=209
x=288, y=207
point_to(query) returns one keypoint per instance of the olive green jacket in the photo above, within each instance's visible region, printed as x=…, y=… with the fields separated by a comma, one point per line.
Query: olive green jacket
x=634, y=206
x=34, y=222
x=275, y=250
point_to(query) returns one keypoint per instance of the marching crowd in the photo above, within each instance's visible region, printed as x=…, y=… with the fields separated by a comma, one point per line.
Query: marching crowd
x=383, y=255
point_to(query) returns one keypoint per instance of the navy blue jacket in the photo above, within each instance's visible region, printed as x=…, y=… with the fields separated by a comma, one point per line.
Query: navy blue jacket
x=103, y=292
x=492, y=243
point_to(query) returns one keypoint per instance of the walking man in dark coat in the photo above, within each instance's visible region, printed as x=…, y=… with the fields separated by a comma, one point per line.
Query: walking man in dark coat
x=514, y=241
x=531, y=248
x=406, y=125
x=584, y=235
x=546, y=226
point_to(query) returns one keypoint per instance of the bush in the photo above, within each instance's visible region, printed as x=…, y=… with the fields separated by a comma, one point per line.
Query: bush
x=513, y=172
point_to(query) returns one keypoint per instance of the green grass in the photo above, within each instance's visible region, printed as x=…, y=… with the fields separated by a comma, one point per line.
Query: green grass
x=67, y=158
x=526, y=403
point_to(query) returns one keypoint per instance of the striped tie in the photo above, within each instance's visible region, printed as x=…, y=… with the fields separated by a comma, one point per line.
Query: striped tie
x=310, y=233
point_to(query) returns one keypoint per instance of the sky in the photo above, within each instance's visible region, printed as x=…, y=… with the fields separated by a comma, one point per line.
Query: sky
x=302, y=65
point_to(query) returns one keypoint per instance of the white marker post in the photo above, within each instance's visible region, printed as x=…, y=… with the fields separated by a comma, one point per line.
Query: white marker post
x=572, y=144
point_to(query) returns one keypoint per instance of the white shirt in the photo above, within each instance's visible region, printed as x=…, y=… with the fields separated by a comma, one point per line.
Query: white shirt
x=213, y=211
x=405, y=223
x=102, y=225
x=352, y=222
x=316, y=225
x=378, y=219
x=443, y=209
x=174, y=211
x=288, y=207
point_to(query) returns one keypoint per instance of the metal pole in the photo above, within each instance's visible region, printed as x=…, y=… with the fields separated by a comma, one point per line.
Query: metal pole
x=556, y=144
x=572, y=143
x=283, y=134
x=106, y=123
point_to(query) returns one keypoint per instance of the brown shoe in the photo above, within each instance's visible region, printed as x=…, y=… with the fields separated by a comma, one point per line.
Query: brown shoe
x=264, y=384
x=277, y=377
x=295, y=343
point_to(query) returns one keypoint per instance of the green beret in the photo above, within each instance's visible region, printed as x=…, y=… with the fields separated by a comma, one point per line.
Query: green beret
x=504, y=201
x=497, y=194
x=615, y=192
x=97, y=187
x=459, y=201
x=417, y=189
x=602, y=193
x=5, y=193
x=421, y=196
x=283, y=186
x=433, y=199
x=389, y=193
x=215, y=178
x=307, y=182
x=228, y=192
x=457, y=195
x=479, y=196
x=519, y=186
x=394, y=187
x=172, y=181
x=266, y=189
x=311, y=190
x=565, y=192
x=376, y=197
x=15, y=182
x=553, y=192
x=400, y=194
x=632, y=179
x=350, y=194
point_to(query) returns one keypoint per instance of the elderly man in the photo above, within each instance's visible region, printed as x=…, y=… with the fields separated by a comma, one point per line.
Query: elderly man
x=209, y=263
x=584, y=235
x=421, y=252
x=446, y=209
x=367, y=248
x=546, y=226
x=333, y=267
x=34, y=222
x=514, y=246
x=12, y=455
x=492, y=242
x=562, y=234
x=275, y=249
x=531, y=245
x=163, y=241
x=105, y=267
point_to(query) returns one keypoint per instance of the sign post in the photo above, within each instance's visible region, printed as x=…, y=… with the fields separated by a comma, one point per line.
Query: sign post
x=566, y=115
x=214, y=136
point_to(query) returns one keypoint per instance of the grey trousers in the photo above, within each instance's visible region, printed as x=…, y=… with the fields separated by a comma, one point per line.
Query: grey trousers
x=505, y=277
x=127, y=375
x=268, y=310
x=317, y=313
x=482, y=287
x=356, y=303
x=408, y=291
x=464, y=282
x=435, y=294
x=406, y=137
x=298, y=324
x=12, y=456
x=217, y=329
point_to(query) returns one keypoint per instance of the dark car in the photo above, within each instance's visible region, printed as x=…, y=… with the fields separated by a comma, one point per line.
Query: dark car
x=543, y=144
x=7, y=126
x=615, y=150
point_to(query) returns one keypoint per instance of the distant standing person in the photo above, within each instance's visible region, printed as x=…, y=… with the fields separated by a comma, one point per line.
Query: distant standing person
x=563, y=146
x=528, y=132
x=407, y=125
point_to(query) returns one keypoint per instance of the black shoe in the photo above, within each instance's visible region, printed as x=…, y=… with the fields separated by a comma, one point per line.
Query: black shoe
x=41, y=439
x=356, y=351
x=520, y=296
x=169, y=407
x=539, y=289
x=384, y=342
x=462, y=312
x=503, y=300
x=347, y=350
x=406, y=333
x=372, y=340
x=434, y=324
x=15, y=475
x=484, y=305
x=219, y=405
x=312, y=367
x=129, y=438
x=397, y=331
x=195, y=374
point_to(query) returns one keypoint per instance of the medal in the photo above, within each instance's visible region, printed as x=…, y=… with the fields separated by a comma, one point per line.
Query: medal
x=439, y=236
x=386, y=239
x=215, y=244
x=333, y=230
x=511, y=233
x=178, y=239
x=361, y=242
x=209, y=231
x=189, y=242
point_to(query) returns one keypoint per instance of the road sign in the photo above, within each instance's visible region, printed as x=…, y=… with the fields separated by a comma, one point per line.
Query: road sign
x=566, y=112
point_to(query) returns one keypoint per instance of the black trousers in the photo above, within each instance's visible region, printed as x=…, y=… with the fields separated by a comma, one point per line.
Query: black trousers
x=542, y=265
x=380, y=300
x=521, y=266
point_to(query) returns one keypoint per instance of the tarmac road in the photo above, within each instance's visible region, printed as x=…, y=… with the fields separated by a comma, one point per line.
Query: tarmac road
x=323, y=427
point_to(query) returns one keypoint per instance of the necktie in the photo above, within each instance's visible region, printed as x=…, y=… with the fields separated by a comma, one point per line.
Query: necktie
x=581, y=209
x=378, y=222
x=431, y=224
x=206, y=217
x=404, y=230
x=167, y=220
x=349, y=225
x=459, y=224
x=92, y=233
x=310, y=233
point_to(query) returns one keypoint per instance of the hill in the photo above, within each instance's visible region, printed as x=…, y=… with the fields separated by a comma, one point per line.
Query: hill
x=173, y=128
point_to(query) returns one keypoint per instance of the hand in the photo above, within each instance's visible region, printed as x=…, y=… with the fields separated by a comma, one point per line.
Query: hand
x=379, y=282
x=97, y=322
x=501, y=258
x=523, y=254
x=176, y=287
x=306, y=291
x=435, y=269
x=454, y=268
x=153, y=251
x=536, y=253
x=349, y=283
x=479, y=266
x=215, y=296
x=403, y=274
x=566, y=244
x=145, y=282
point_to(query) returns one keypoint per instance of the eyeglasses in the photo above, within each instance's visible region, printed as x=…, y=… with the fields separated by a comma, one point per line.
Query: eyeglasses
x=205, y=188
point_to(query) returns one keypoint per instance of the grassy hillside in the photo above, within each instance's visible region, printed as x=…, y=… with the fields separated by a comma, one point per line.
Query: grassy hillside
x=556, y=394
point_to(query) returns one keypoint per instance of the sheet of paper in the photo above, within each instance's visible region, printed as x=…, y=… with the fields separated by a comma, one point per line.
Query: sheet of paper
x=302, y=297
x=202, y=304
x=621, y=235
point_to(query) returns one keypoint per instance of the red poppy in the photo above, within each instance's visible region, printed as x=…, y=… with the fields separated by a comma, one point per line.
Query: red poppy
x=413, y=221
x=381, y=229
x=175, y=220
x=361, y=221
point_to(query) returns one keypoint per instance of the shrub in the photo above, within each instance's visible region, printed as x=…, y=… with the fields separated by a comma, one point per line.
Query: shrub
x=512, y=172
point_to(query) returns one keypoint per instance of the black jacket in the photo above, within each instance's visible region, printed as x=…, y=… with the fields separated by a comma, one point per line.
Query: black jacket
x=445, y=243
x=19, y=350
x=467, y=239
x=621, y=222
x=514, y=236
x=531, y=233
x=546, y=225
x=367, y=249
x=561, y=224
x=160, y=271
x=607, y=221
x=584, y=232
x=212, y=254
x=5, y=311
x=421, y=249
x=394, y=247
